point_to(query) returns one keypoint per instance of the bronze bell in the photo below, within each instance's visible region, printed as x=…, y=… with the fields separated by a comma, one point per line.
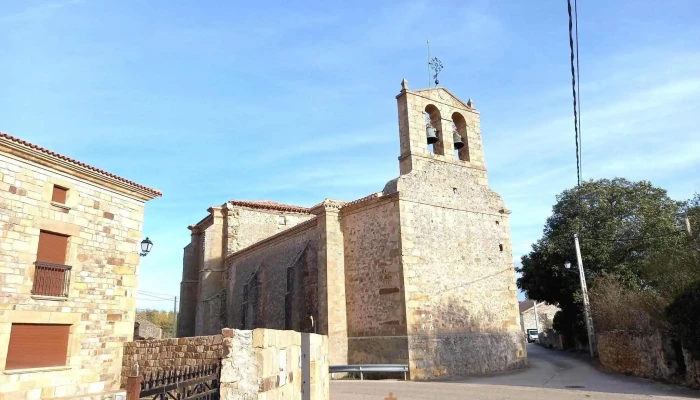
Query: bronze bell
x=430, y=133
x=457, y=139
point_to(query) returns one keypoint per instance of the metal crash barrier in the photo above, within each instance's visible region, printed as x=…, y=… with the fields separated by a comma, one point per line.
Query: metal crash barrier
x=365, y=368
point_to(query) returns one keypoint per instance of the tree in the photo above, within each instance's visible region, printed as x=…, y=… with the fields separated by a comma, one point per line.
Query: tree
x=622, y=226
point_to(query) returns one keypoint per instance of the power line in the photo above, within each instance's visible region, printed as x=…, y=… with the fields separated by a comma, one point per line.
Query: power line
x=156, y=293
x=641, y=239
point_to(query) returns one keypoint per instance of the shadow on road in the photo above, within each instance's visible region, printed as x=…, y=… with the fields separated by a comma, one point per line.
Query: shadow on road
x=555, y=369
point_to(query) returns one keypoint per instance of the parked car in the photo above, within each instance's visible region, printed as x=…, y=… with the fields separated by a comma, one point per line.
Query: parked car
x=532, y=336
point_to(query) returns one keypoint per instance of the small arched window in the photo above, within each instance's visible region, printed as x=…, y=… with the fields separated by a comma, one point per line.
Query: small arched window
x=459, y=125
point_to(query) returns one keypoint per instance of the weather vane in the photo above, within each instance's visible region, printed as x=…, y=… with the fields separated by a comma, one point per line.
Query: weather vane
x=436, y=65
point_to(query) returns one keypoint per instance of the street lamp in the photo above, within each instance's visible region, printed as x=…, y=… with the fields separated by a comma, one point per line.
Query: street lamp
x=146, y=246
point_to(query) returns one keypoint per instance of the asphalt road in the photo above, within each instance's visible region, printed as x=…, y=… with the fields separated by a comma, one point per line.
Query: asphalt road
x=551, y=374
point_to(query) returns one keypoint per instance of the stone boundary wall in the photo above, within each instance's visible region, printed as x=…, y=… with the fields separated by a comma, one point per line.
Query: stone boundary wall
x=644, y=354
x=259, y=364
x=170, y=354
x=551, y=339
x=269, y=364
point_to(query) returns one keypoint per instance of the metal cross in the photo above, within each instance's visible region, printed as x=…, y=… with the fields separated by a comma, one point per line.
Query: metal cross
x=436, y=65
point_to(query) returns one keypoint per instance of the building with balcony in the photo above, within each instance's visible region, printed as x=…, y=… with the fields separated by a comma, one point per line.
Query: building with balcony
x=69, y=256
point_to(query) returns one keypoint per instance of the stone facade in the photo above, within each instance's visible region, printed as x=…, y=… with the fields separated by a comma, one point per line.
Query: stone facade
x=144, y=329
x=419, y=273
x=545, y=316
x=101, y=219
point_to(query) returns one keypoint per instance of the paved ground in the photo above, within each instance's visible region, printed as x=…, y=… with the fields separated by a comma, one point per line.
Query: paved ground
x=551, y=374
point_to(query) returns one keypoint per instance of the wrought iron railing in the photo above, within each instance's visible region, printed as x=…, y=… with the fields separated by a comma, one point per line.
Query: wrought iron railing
x=191, y=383
x=51, y=279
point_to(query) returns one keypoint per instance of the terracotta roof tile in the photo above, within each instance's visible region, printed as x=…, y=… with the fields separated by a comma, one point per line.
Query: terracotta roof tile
x=270, y=205
x=70, y=160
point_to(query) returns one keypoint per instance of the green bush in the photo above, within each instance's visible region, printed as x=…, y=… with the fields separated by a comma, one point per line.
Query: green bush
x=684, y=315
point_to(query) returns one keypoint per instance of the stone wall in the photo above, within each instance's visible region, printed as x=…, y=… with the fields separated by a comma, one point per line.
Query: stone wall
x=376, y=316
x=144, y=329
x=269, y=364
x=645, y=354
x=461, y=299
x=263, y=268
x=551, y=339
x=229, y=228
x=258, y=364
x=104, y=228
x=546, y=317
x=170, y=354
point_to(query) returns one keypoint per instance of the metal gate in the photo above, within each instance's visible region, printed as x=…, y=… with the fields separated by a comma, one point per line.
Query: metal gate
x=191, y=383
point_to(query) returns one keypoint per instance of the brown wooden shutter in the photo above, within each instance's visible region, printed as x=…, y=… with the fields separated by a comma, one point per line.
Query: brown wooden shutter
x=37, y=345
x=52, y=248
x=59, y=194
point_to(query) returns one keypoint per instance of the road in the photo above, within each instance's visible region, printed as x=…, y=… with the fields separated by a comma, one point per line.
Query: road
x=551, y=374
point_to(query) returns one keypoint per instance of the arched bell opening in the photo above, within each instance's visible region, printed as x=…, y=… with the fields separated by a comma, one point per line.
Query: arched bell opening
x=461, y=144
x=433, y=129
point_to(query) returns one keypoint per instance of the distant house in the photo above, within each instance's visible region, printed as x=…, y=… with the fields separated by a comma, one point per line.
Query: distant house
x=144, y=329
x=545, y=315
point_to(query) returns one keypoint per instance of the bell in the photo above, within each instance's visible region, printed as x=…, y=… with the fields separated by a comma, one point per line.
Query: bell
x=430, y=133
x=457, y=139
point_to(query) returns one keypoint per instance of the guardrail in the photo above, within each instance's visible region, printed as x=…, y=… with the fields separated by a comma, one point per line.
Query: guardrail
x=365, y=368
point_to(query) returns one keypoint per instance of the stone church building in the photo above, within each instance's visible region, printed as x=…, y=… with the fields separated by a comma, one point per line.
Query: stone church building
x=418, y=273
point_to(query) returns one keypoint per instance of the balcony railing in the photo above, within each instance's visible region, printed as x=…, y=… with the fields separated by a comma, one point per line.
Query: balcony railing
x=51, y=279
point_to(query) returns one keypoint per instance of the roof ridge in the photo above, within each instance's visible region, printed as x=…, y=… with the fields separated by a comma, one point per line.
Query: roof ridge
x=11, y=138
x=270, y=205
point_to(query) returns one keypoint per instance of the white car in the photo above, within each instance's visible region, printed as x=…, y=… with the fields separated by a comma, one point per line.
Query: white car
x=532, y=336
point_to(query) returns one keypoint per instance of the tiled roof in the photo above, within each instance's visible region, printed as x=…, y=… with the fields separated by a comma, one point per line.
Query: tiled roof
x=526, y=305
x=270, y=205
x=363, y=199
x=72, y=161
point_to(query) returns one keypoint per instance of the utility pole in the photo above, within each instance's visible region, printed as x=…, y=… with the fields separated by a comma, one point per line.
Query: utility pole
x=586, y=304
x=175, y=317
x=537, y=319
x=687, y=224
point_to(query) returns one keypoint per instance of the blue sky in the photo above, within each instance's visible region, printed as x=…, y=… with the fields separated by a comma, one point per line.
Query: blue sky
x=294, y=101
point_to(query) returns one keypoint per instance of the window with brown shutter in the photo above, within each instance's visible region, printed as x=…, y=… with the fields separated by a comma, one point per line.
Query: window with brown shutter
x=37, y=346
x=59, y=194
x=51, y=275
x=52, y=248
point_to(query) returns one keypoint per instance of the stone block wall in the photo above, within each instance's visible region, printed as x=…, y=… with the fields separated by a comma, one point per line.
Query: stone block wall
x=270, y=365
x=376, y=312
x=104, y=228
x=263, y=268
x=545, y=317
x=170, y=354
x=645, y=354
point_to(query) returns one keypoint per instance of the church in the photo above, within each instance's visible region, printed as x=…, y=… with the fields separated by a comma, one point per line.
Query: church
x=419, y=273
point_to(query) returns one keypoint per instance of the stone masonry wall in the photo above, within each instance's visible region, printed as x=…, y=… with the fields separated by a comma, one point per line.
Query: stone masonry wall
x=545, y=317
x=374, y=284
x=461, y=301
x=248, y=226
x=645, y=354
x=295, y=248
x=104, y=229
x=170, y=354
x=270, y=364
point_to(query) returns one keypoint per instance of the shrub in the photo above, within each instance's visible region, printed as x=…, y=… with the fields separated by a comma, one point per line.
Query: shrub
x=684, y=315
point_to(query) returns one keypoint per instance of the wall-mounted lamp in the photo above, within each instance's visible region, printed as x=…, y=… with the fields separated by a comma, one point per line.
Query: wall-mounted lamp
x=146, y=246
